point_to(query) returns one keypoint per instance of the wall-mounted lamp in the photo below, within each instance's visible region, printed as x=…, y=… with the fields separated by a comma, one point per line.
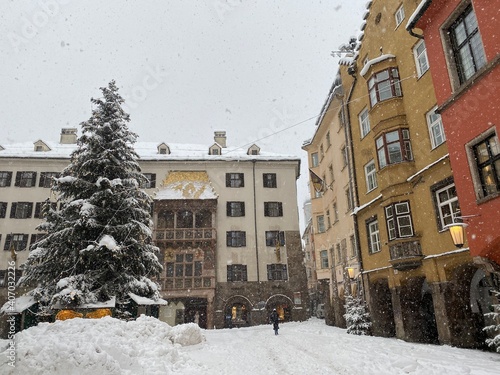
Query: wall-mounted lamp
x=457, y=230
x=350, y=272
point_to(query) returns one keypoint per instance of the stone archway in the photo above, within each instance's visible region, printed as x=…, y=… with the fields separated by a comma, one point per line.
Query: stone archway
x=237, y=312
x=283, y=305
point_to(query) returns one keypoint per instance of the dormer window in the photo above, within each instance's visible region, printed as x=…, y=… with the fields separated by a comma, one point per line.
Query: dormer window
x=163, y=149
x=40, y=146
x=253, y=150
x=216, y=149
x=384, y=85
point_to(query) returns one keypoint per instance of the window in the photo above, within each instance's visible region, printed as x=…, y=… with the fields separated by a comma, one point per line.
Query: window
x=21, y=210
x=436, y=131
x=328, y=220
x=35, y=238
x=321, y=223
x=384, y=85
x=398, y=218
x=277, y=272
x=236, y=238
x=314, y=159
x=163, y=150
x=373, y=236
x=328, y=140
x=323, y=256
x=18, y=240
x=25, y=179
x=352, y=241
x=448, y=206
x=330, y=171
x=166, y=219
x=364, y=123
x=321, y=152
x=466, y=44
x=214, y=151
x=235, y=180
x=421, y=61
x=184, y=219
x=348, y=196
x=487, y=158
x=151, y=181
x=46, y=179
x=343, y=248
x=399, y=15
x=339, y=254
x=5, y=179
x=342, y=118
x=3, y=209
x=269, y=180
x=343, y=150
x=273, y=209
x=371, y=176
x=235, y=209
x=272, y=236
x=40, y=209
x=335, y=212
x=394, y=147
x=185, y=272
x=237, y=272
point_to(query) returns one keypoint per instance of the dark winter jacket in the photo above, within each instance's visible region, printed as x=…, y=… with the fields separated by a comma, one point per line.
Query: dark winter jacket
x=274, y=317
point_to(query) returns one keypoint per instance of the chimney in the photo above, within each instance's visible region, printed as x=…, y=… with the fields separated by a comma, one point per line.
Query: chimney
x=220, y=137
x=68, y=136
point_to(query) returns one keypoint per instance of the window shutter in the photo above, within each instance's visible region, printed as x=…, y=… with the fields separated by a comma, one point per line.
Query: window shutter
x=269, y=272
x=24, y=242
x=8, y=239
x=3, y=209
x=242, y=208
x=9, y=178
x=266, y=209
x=242, y=176
x=38, y=209
x=13, y=209
x=284, y=274
x=228, y=179
x=282, y=238
x=33, y=182
x=43, y=176
x=229, y=273
x=228, y=238
x=153, y=180
x=228, y=208
x=244, y=273
x=30, y=210
x=280, y=209
x=18, y=179
x=243, y=239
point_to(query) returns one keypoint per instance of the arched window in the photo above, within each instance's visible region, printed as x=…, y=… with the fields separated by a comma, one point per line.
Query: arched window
x=184, y=219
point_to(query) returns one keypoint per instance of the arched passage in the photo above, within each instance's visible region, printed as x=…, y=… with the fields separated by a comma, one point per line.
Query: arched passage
x=283, y=305
x=237, y=312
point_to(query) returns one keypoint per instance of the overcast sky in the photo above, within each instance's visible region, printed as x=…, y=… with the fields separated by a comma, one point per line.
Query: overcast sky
x=185, y=68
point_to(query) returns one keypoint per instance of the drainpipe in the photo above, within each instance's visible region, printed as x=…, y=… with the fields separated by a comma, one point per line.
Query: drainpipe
x=255, y=223
x=353, y=185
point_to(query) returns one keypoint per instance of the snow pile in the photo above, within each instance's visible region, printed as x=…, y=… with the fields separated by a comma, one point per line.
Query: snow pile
x=102, y=346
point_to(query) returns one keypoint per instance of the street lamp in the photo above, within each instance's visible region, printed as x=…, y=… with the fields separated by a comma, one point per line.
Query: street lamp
x=350, y=272
x=457, y=231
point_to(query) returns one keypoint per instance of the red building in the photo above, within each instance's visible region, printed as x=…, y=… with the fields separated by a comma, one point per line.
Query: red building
x=462, y=40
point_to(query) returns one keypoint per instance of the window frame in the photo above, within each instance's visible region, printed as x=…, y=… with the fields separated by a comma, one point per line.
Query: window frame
x=421, y=58
x=151, y=181
x=393, y=220
x=20, y=241
x=456, y=47
x=235, y=209
x=21, y=210
x=22, y=179
x=434, y=122
x=323, y=259
x=476, y=166
x=399, y=15
x=269, y=180
x=5, y=178
x=320, y=222
x=3, y=210
x=236, y=238
x=273, y=235
x=314, y=159
x=373, y=235
x=371, y=176
x=236, y=273
x=235, y=180
x=404, y=142
x=46, y=179
x=452, y=204
x=375, y=86
x=277, y=272
x=273, y=209
x=364, y=122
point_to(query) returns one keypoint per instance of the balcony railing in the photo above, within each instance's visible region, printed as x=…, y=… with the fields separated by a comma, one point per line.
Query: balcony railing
x=406, y=255
x=188, y=234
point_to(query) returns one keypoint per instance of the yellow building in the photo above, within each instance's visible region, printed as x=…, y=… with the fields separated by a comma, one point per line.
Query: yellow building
x=418, y=285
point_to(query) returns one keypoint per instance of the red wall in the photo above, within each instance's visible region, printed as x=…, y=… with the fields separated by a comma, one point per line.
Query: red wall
x=472, y=113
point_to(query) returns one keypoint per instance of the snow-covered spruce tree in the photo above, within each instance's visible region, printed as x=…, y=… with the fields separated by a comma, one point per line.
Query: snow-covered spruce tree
x=99, y=242
x=356, y=316
x=494, y=328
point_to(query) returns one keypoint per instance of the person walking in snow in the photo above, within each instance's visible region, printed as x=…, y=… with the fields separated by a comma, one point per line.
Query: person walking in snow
x=275, y=320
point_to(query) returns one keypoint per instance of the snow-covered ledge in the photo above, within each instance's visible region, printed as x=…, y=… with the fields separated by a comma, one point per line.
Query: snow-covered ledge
x=357, y=209
x=427, y=167
x=374, y=61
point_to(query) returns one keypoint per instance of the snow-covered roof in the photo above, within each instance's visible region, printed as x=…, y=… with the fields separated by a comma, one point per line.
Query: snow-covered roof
x=415, y=16
x=145, y=150
x=95, y=305
x=186, y=185
x=147, y=301
x=374, y=61
x=427, y=167
x=18, y=305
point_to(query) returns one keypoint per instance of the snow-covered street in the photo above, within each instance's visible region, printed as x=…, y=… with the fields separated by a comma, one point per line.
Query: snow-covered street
x=148, y=346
